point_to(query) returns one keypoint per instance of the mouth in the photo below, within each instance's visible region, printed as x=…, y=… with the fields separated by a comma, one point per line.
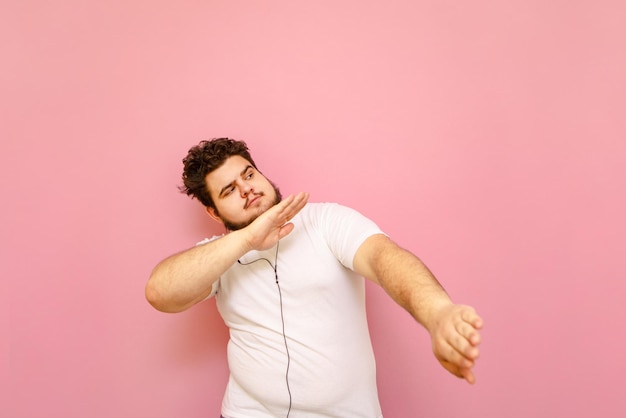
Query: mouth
x=253, y=200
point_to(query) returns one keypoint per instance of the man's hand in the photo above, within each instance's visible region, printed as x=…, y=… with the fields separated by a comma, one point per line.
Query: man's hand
x=455, y=340
x=273, y=224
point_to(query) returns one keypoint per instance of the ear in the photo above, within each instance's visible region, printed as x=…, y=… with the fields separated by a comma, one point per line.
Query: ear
x=213, y=214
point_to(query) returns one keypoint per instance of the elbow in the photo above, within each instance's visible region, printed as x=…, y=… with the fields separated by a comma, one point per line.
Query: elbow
x=158, y=300
x=153, y=296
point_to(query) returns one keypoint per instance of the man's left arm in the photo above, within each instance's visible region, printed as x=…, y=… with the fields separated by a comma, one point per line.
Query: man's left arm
x=454, y=329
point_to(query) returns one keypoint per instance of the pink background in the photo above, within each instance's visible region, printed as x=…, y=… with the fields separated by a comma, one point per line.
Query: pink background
x=488, y=137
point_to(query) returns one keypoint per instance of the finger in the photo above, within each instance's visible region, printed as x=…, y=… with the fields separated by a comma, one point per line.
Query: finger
x=284, y=207
x=462, y=373
x=289, y=201
x=296, y=203
x=301, y=199
x=464, y=347
x=285, y=230
x=469, y=333
x=279, y=210
x=451, y=354
x=452, y=368
x=470, y=316
x=468, y=375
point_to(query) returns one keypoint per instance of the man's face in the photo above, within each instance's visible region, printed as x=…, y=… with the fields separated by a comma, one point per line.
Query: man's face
x=240, y=193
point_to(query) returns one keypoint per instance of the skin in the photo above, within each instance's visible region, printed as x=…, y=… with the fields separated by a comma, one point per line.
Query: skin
x=454, y=329
x=241, y=192
x=246, y=203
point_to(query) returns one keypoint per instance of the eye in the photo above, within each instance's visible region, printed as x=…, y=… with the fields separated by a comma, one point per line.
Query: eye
x=229, y=191
x=250, y=175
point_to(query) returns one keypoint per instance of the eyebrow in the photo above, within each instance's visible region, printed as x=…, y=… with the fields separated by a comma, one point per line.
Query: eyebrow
x=243, y=172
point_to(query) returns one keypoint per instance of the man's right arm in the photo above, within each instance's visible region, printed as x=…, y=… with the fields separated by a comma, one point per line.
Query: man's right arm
x=186, y=278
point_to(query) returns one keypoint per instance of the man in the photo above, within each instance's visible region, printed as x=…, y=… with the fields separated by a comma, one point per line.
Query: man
x=288, y=282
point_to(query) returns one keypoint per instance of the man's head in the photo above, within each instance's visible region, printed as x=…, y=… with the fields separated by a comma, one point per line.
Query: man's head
x=222, y=175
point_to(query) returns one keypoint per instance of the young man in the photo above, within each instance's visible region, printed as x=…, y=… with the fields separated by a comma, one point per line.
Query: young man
x=288, y=279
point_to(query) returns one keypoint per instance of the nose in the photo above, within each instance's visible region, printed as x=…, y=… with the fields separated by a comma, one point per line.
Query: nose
x=246, y=189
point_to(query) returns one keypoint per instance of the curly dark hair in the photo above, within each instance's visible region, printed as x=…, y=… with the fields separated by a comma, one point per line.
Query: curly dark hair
x=203, y=159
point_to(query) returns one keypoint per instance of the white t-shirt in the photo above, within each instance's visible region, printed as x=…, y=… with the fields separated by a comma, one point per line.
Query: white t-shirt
x=328, y=353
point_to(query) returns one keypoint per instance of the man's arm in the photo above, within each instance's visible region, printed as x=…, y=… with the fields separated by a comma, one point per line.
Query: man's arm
x=186, y=278
x=453, y=328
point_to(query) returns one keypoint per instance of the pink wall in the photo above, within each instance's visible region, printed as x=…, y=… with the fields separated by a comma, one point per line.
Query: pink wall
x=488, y=137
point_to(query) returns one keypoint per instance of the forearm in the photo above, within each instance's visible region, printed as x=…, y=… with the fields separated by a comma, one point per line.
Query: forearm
x=453, y=328
x=186, y=278
x=410, y=283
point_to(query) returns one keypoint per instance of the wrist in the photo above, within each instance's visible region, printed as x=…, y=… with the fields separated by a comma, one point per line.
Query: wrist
x=241, y=242
x=436, y=314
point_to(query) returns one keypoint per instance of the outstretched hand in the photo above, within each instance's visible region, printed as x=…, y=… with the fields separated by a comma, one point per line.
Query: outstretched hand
x=455, y=340
x=273, y=224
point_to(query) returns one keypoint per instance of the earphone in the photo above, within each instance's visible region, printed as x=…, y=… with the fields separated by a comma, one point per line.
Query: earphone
x=282, y=316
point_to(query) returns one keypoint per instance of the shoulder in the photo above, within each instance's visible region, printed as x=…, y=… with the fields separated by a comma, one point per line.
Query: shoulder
x=335, y=217
x=332, y=208
x=325, y=210
x=320, y=207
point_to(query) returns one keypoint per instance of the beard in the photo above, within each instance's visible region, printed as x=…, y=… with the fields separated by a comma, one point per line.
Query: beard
x=235, y=226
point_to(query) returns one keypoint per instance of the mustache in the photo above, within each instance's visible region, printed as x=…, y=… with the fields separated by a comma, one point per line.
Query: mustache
x=254, y=196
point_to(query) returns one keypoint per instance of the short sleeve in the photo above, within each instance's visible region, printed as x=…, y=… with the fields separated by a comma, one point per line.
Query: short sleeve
x=216, y=284
x=344, y=230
